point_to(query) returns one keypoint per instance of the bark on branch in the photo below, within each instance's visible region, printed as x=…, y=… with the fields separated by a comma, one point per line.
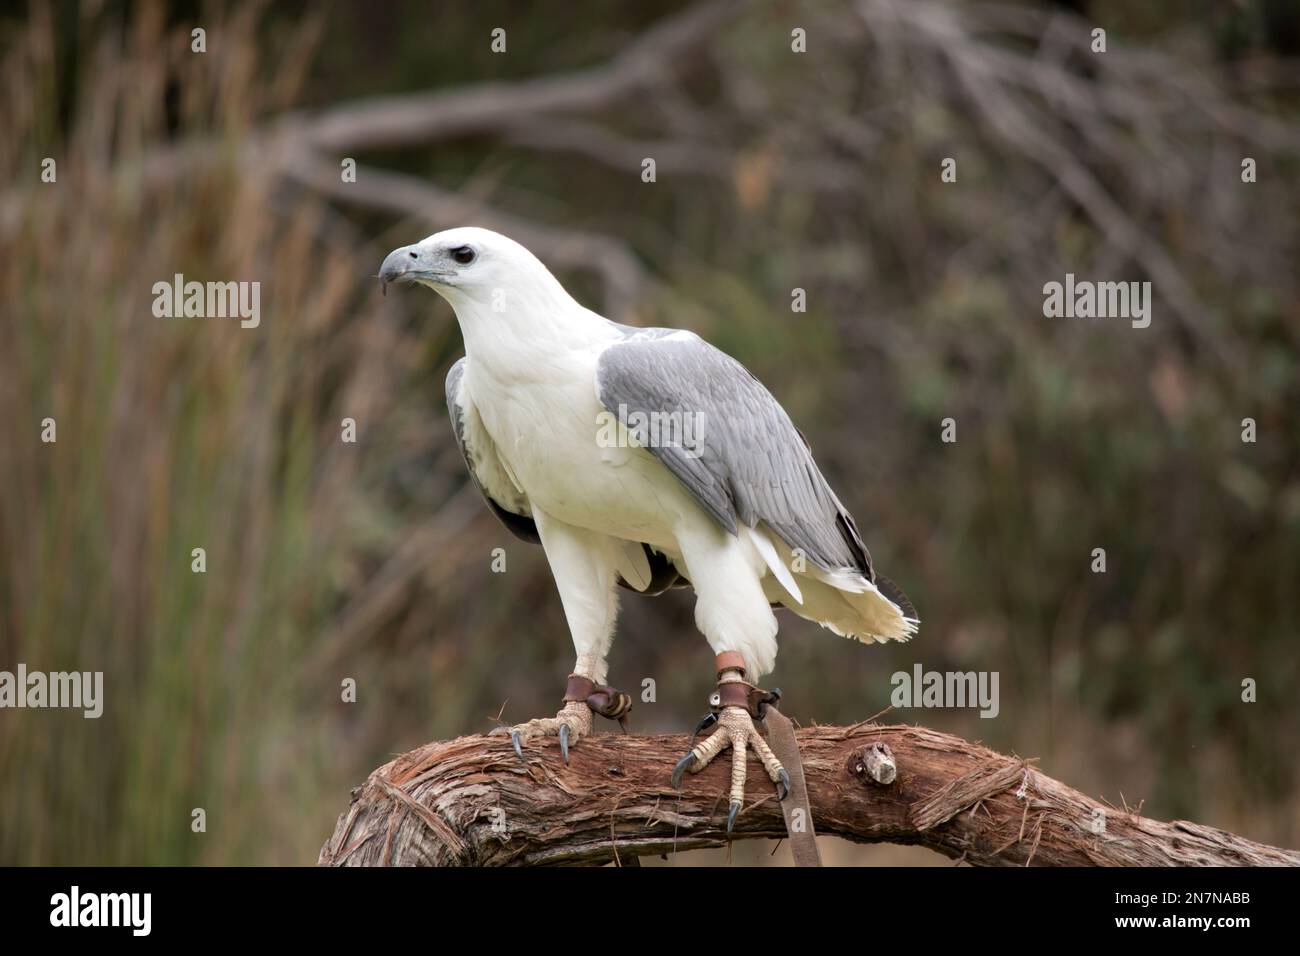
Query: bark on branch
x=470, y=801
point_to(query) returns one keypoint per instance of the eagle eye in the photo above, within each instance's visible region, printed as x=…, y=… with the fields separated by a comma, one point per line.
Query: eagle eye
x=463, y=254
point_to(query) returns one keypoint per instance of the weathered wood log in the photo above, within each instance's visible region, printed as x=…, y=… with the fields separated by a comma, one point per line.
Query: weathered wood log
x=472, y=802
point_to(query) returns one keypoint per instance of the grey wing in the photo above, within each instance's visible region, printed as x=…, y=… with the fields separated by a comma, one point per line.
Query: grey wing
x=748, y=462
x=507, y=502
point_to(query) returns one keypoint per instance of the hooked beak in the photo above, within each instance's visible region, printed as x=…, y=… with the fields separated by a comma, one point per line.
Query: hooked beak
x=396, y=265
x=407, y=264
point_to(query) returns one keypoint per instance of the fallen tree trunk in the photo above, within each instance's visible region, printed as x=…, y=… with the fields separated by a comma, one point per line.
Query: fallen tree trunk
x=472, y=802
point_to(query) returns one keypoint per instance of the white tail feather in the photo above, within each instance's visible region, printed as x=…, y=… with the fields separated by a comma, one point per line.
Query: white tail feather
x=773, y=560
x=845, y=602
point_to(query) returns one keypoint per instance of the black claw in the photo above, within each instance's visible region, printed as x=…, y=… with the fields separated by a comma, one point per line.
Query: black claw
x=515, y=739
x=564, y=742
x=731, y=817
x=707, y=721
x=782, y=784
x=681, y=768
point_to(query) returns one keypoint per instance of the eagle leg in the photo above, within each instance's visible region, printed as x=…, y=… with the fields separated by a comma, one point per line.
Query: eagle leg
x=571, y=724
x=734, y=705
x=583, y=697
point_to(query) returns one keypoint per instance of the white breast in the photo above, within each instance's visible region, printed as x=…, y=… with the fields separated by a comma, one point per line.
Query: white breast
x=549, y=432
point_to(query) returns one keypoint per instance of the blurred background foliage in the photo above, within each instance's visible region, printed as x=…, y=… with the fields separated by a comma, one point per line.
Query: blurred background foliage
x=819, y=171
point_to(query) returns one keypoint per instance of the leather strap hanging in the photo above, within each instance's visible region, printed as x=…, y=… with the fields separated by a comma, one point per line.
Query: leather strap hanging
x=781, y=738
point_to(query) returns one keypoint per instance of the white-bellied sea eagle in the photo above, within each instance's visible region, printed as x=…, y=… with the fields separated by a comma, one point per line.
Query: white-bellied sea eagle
x=647, y=458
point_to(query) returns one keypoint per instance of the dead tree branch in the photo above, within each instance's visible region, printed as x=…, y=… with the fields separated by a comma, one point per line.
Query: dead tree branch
x=472, y=802
x=412, y=119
